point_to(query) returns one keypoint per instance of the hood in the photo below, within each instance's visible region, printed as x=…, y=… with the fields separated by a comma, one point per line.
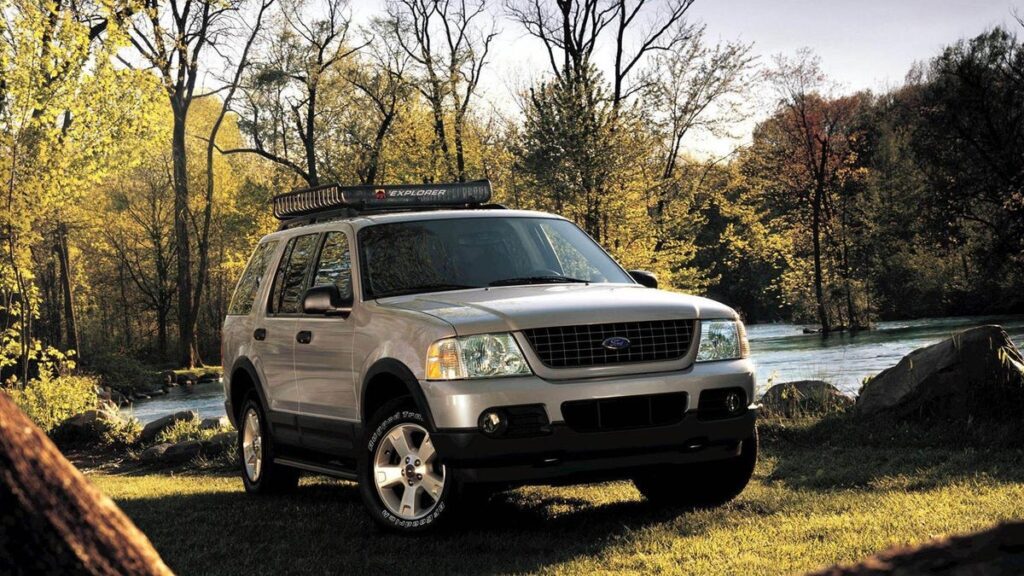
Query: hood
x=512, y=308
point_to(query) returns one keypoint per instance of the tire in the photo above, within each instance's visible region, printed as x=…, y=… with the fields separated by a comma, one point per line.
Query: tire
x=393, y=454
x=703, y=485
x=260, y=474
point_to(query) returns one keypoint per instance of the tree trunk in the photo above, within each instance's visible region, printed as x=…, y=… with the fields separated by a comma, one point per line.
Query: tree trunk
x=818, y=289
x=126, y=325
x=55, y=521
x=186, y=325
x=70, y=320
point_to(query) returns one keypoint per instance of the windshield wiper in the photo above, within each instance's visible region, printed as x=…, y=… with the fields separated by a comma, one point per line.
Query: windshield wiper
x=439, y=287
x=538, y=280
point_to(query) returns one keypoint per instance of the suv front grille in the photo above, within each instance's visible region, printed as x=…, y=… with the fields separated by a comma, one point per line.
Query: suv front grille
x=584, y=345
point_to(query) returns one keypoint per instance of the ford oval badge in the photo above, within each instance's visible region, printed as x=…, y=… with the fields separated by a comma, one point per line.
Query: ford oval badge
x=616, y=343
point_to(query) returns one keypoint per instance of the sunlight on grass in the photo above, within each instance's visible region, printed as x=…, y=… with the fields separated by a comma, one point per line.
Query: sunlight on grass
x=783, y=523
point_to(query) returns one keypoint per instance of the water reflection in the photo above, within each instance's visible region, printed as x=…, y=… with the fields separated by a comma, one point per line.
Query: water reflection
x=782, y=352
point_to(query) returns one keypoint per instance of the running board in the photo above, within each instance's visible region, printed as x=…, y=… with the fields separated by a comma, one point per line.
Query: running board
x=317, y=468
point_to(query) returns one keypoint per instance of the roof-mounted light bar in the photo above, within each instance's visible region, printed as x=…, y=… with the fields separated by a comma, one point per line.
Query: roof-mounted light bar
x=379, y=197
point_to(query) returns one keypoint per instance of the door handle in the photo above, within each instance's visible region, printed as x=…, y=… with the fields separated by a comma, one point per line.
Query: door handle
x=259, y=334
x=304, y=337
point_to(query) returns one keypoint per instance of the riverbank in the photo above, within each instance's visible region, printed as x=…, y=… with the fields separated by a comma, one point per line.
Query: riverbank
x=781, y=353
x=822, y=494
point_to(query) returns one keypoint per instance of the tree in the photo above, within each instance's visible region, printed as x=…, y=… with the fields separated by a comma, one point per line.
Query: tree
x=283, y=105
x=808, y=154
x=969, y=143
x=67, y=116
x=449, y=73
x=173, y=39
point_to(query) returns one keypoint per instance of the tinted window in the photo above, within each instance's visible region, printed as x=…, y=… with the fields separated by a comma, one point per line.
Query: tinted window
x=335, y=265
x=436, y=255
x=249, y=284
x=290, y=281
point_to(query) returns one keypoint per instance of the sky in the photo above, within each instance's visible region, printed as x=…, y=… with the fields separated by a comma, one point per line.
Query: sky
x=863, y=44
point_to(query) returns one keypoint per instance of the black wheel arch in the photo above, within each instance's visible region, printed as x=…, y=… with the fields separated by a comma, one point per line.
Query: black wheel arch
x=236, y=392
x=392, y=370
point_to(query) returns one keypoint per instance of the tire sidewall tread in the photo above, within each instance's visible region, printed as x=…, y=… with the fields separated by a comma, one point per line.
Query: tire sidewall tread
x=396, y=412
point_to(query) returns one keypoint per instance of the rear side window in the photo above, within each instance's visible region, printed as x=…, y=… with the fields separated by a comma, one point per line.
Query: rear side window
x=335, y=265
x=290, y=280
x=249, y=284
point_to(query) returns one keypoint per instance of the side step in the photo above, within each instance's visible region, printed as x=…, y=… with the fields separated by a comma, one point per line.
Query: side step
x=342, y=473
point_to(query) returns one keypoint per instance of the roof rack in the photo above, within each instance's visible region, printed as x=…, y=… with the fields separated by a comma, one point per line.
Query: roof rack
x=334, y=201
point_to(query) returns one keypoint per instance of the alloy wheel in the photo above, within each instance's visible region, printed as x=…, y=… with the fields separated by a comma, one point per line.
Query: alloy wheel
x=252, y=445
x=406, y=471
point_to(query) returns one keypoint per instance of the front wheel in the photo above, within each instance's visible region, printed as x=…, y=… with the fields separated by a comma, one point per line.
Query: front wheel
x=703, y=485
x=401, y=478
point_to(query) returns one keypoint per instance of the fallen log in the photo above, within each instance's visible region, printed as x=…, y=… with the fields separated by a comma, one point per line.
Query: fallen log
x=52, y=520
x=997, y=551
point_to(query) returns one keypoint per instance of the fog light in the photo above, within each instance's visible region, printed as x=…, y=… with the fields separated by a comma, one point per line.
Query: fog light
x=493, y=422
x=733, y=402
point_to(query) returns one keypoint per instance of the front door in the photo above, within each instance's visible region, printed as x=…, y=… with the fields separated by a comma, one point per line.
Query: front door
x=323, y=357
x=275, y=334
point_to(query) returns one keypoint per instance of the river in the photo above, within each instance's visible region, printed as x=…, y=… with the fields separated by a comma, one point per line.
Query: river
x=781, y=352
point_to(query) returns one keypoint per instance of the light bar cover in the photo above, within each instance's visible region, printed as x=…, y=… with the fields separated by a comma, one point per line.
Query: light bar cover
x=380, y=197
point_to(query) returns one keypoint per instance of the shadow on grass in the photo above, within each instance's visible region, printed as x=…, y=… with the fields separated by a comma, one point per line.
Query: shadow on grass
x=324, y=528
x=843, y=452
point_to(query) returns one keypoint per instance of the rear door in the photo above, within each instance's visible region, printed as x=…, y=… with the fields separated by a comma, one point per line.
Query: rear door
x=276, y=332
x=323, y=356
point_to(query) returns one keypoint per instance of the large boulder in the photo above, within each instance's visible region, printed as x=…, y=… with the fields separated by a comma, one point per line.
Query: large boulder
x=154, y=453
x=214, y=423
x=219, y=443
x=978, y=374
x=804, y=398
x=183, y=451
x=154, y=428
x=91, y=427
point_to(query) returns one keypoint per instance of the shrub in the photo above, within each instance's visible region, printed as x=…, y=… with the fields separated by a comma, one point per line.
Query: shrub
x=49, y=400
x=184, y=430
x=123, y=373
x=116, y=430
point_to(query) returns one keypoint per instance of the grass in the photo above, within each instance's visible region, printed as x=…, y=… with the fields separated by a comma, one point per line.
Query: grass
x=821, y=495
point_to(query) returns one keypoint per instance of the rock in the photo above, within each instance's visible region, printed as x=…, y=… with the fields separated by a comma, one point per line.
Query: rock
x=220, y=443
x=118, y=398
x=154, y=428
x=183, y=451
x=978, y=374
x=214, y=423
x=81, y=425
x=804, y=398
x=208, y=378
x=87, y=428
x=154, y=453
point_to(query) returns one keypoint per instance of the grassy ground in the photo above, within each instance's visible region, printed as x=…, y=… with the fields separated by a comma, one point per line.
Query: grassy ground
x=822, y=494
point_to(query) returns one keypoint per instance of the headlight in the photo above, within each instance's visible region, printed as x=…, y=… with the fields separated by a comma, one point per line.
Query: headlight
x=722, y=340
x=479, y=356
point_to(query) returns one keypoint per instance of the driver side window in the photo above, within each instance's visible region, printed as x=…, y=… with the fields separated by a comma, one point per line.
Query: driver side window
x=335, y=265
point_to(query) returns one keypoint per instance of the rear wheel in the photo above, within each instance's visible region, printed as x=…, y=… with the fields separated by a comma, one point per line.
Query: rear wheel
x=260, y=473
x=401, y=477
x=703, y=485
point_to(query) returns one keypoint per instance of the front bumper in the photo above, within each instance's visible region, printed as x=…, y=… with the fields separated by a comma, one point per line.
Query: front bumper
x=459, y=403
x=564, y=455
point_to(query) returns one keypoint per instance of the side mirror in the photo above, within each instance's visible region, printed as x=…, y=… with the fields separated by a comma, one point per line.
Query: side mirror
x=644, y=278
x=326, y=300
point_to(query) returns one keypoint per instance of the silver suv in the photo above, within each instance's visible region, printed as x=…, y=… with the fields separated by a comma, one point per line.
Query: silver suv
x=426, y=344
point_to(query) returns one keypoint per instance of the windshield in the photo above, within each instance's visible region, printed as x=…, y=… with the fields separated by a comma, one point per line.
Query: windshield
x=450, y=254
